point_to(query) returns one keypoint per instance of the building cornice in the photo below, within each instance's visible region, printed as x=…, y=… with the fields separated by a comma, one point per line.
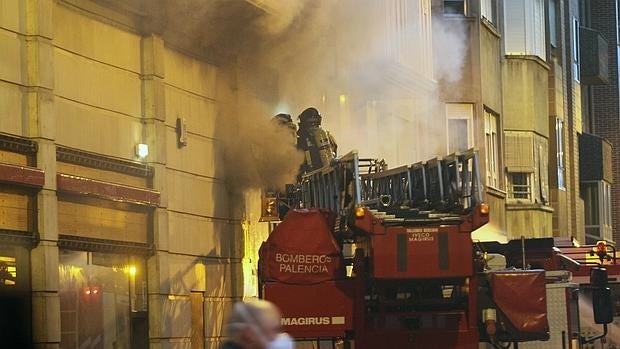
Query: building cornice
x=18, y=237
x=17, y=144
x=79, y=243
x=87, y=159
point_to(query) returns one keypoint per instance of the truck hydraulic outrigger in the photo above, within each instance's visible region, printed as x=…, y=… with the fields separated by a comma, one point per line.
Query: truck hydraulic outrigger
x=589, y=267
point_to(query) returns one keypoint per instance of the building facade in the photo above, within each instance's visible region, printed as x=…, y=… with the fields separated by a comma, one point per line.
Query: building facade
x=601, y=100
x=529, y=72
x=118, y=223
x=108, y=131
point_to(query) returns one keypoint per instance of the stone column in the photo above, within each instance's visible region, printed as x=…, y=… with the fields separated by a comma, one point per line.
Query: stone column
x=39, y=124
x=154, y=117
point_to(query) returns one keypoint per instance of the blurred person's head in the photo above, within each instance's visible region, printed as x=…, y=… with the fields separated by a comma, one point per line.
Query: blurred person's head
x=255, y=324
x=282, y=341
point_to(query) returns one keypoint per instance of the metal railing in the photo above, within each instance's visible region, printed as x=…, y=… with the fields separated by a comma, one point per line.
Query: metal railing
x=450, y=185
x=336, y=187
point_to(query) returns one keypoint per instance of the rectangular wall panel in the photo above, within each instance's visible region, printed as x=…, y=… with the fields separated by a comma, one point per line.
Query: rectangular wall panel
x=101, y=175
x=13, y=210
x=96, y=219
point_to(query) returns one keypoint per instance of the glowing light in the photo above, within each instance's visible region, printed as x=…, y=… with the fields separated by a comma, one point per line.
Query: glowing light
x=342, y=99
x=360, y=212
x=132, y=270
x=142, y=150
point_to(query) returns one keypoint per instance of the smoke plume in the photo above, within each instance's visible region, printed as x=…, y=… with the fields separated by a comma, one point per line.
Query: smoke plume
x=372, y=68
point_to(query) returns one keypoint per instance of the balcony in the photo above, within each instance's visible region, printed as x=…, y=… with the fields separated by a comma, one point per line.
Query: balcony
x=594, y=52
x=595, y=159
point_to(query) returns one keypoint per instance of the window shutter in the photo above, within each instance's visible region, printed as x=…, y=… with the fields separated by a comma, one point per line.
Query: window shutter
x=514, y=26
x=519, y=151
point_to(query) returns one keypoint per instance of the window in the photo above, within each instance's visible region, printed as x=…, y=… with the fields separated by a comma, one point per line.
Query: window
x=8, y=271
x=100, y=294
x=553, y=29
x=524, y=27
x=597, y=205
x=491, y=147
x=457, y=135
x=559, y=144
x=520, y=186
x=487, y=10
x=542, y=174
x=459, y=123
x=575, y=45
x=408, y=35
x=454, y=7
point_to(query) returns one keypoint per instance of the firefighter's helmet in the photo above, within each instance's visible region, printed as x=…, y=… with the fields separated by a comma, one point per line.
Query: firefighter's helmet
x=284, y=119
x=310, y=117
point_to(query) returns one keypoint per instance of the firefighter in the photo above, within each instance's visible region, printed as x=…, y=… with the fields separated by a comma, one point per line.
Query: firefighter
x=286, y=121
x=255, y=324
x=318, y=145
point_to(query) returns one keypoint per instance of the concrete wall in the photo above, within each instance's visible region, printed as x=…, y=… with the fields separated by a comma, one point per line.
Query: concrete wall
x=490, y=66
x=525, y=95
x=568, y=201
x=481, y=84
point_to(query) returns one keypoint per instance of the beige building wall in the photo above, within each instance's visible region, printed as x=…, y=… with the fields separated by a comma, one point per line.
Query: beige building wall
x=100, y=85
x=13, y=67
x=489, y=65
x=526, y=131
x=97, y=90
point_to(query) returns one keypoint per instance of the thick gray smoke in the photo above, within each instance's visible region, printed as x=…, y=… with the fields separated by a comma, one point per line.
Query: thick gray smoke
x=371, y=67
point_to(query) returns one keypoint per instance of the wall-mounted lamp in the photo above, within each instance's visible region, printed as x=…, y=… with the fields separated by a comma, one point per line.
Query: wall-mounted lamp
x=181, y=133
x=142, y=151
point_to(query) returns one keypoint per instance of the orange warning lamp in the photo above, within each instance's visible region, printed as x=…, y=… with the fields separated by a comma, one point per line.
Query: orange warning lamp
x=601, y=248
x=484, y=208
x=360, y=212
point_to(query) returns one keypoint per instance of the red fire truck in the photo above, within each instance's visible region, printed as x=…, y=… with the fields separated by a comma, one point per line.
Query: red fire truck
x=383, y=258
